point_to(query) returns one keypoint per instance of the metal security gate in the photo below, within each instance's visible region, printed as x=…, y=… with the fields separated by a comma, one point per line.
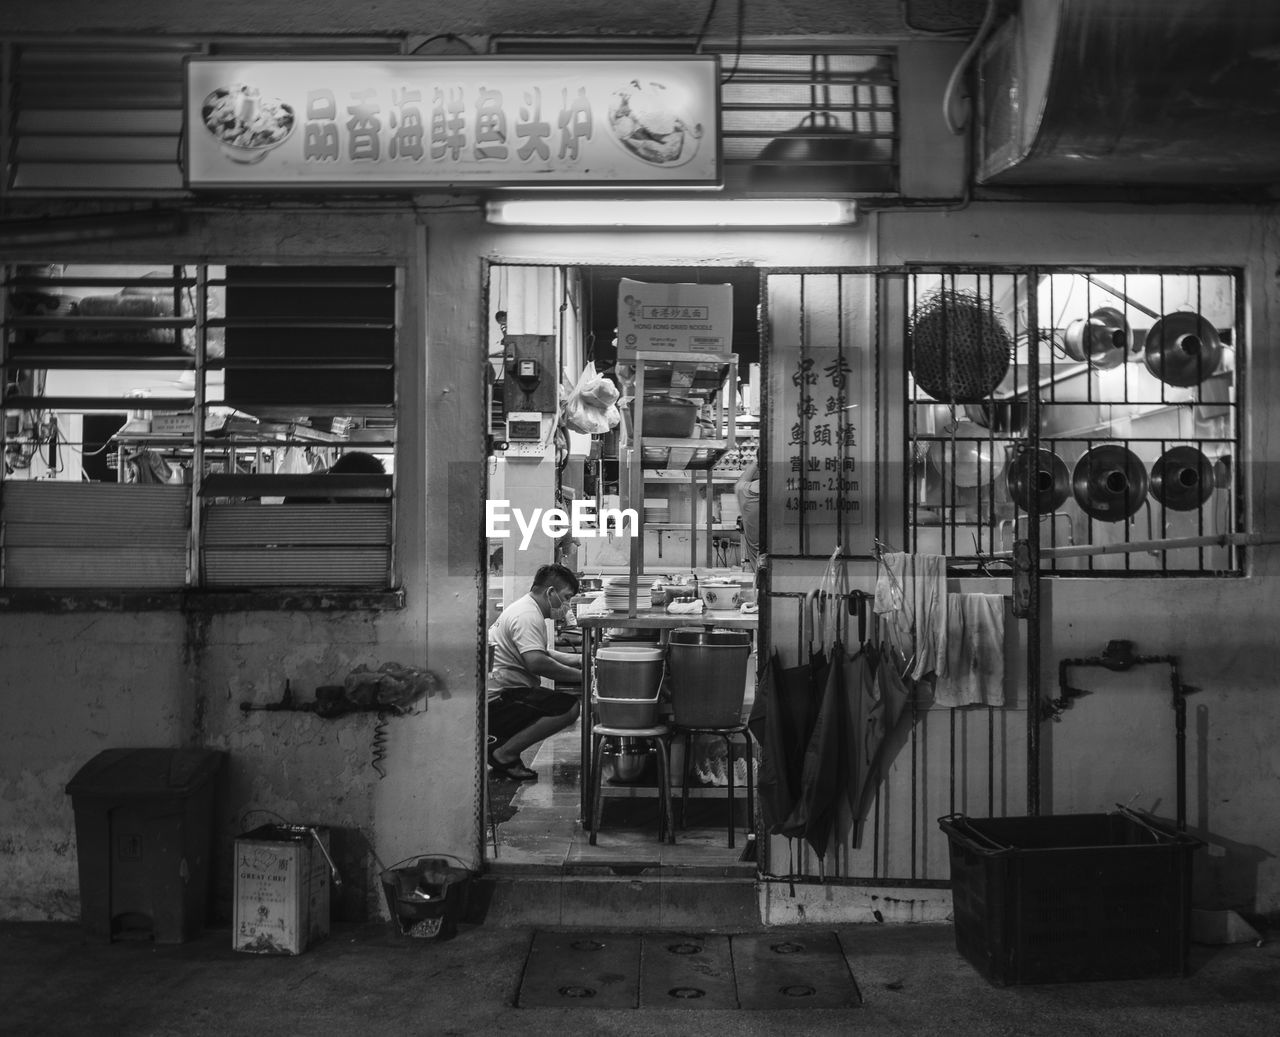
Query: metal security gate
x=834, y=466
x=1086, y=419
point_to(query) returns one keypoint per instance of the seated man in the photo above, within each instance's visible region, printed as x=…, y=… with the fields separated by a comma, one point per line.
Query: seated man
x=521, y=711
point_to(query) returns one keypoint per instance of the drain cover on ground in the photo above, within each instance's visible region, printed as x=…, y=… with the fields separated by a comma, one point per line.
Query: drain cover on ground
x=793, y=971
x=565, y=970
x=679, y=970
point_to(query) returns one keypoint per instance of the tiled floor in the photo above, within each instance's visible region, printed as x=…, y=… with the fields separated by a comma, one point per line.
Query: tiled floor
x=545, y=827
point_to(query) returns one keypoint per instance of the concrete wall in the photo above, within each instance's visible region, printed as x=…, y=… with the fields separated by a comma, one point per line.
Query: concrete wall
x=1102, y=751
x=531, y=17
x=77, y=680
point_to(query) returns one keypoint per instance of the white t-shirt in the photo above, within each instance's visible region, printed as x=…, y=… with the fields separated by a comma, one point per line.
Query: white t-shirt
x=520, y=627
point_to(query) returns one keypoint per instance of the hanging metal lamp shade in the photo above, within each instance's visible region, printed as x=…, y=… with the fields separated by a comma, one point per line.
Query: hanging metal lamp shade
x=970, y=457
x=959, y=346
x=1110, y=482
x=1182, y=478
x=1047, y=479
x=1182, y=349
x=818, y=155
x=1104, y=339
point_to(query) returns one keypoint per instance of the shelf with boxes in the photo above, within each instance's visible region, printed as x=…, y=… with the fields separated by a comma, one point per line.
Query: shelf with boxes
x=680, y=420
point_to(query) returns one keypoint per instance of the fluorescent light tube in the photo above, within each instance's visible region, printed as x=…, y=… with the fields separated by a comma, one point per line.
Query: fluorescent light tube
x=671, y=212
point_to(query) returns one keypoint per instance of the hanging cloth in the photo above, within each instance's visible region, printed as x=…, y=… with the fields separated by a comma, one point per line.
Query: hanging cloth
x=930, y=594
x=911, y=596
x=974, y=674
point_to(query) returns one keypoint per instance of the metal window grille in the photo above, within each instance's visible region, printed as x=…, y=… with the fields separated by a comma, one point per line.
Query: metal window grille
x=111, y=480
x=806, y=124
x=1102, y=404
x=1105, y=402
x=793, y=122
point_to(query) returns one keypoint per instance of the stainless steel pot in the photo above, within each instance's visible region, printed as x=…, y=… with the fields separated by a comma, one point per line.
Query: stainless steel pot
x=624, y=759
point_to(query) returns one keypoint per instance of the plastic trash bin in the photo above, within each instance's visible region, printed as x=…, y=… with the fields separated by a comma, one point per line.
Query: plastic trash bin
x=144, y=829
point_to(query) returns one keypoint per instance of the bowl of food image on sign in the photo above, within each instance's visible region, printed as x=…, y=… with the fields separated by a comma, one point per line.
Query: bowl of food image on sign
x=647, y=123
x=245, y=124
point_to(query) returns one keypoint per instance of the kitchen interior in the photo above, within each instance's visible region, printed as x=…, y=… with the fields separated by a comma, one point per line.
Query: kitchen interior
x=700, y=430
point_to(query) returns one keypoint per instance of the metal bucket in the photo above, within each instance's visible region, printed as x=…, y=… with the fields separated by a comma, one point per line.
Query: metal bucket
x=708, y=676
x=629, y=672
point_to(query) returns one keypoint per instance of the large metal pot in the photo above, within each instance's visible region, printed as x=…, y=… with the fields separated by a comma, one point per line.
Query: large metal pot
x=1104, y=339
x=1182, y=349
x=623, y=759
x=1048, y=482
x=1182, y=479
x=1110, y=482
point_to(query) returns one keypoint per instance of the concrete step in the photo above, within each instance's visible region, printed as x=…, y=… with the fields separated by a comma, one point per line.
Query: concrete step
x=638, y=895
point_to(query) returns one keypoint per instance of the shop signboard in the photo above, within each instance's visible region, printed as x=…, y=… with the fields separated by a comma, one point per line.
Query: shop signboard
x=433, y=122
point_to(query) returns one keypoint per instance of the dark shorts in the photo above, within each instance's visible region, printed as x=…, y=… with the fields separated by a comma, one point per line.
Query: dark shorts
x=514, y=709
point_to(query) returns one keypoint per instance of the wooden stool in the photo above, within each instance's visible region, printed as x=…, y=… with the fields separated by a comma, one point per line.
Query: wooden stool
x=727, y=733
x=659, y=734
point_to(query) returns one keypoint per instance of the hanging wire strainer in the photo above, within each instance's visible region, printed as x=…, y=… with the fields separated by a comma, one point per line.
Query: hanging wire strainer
x=960, y=348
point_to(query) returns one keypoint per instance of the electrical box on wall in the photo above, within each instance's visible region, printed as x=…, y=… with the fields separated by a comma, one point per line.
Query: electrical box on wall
x=530, y=380
x=528, y=433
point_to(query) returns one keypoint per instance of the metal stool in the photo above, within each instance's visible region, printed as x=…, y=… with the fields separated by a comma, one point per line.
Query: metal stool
x=727, y=733
x=659, y=734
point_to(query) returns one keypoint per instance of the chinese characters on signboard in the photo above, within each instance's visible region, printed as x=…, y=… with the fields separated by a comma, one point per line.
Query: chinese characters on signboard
x=821, y=480
x=479, y=120
x=444, y=127
x=822, y=477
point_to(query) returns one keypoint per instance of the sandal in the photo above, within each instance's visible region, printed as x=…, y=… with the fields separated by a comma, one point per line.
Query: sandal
x=514, y=771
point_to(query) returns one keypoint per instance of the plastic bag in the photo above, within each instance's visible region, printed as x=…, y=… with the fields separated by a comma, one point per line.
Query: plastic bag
x=392, y=686
x=592, y=405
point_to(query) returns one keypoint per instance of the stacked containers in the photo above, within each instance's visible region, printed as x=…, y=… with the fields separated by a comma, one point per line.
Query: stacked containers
x=628, y=679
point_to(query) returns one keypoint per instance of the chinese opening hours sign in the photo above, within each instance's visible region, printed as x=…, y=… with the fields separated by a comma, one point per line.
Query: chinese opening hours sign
x=821, y=481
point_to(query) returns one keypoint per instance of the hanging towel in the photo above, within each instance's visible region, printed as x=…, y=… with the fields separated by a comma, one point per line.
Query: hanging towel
x=911, y=595
x=891, y=602
x=974, y=673
x=930, y=594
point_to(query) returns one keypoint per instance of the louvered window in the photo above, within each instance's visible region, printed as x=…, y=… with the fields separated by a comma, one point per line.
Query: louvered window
x=793, y=122
x=103, y=116
x=111, y=481
x=809, y=124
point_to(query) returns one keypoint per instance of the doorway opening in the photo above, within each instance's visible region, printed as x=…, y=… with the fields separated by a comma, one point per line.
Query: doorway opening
x=562, y=318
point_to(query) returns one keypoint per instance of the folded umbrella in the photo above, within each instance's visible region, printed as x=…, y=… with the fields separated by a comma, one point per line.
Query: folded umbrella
x=883, y=710
x=814, y=815
x=781, y=722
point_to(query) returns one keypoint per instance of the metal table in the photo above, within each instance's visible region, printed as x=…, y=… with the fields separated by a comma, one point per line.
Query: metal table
x=593, y=628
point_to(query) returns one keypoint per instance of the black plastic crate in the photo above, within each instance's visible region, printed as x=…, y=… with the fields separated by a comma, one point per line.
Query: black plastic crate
x=1070, y=898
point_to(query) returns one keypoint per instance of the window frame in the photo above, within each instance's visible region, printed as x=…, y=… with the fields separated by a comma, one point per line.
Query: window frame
x=191, y=328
